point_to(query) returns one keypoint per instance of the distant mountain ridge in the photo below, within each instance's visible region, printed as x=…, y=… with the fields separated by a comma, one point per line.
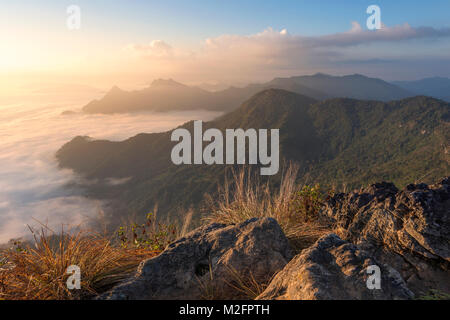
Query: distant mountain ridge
x=169, y=95
x=339, y=141
x=437, y=87
x=354, y=86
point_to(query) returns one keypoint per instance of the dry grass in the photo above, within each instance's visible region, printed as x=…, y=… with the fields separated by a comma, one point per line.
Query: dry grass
x=245, y=287
x=39, y=271
x=294, y=206
x=207, y=286
x=153, y=233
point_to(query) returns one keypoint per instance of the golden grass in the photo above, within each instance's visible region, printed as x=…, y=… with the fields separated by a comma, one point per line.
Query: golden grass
x=153, y=233
x=39, y=271
x=246, y=286
x=247, y=197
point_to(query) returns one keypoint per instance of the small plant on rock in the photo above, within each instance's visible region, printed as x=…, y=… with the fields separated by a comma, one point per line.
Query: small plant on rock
x=148, y=235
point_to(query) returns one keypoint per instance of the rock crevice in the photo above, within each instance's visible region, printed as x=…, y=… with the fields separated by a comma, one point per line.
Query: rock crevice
x=408, y=229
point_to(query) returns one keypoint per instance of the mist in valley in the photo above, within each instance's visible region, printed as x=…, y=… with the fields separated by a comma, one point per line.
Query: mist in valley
x=33, y=189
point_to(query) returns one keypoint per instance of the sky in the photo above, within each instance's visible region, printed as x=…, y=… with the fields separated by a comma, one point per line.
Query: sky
x=130, y=43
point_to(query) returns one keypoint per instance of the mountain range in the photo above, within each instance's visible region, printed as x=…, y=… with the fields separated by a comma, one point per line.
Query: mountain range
x=338, y=142
x=169, y=95
x=437, y=87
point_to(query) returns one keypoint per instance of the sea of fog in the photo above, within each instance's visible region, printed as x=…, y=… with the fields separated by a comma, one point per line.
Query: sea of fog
x=31, y=186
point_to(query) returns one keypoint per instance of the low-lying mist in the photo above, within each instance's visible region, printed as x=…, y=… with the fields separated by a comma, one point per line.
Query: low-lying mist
x=32, y=188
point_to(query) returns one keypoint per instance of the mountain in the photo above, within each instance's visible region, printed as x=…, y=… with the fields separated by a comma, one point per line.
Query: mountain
x=168, y=95
x=161, y=95
x=212, y=86
x=336, y=142
x=436, y=87
x=353, y=86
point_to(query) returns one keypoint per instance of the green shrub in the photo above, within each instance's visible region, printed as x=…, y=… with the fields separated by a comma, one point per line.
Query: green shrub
x=149, y=235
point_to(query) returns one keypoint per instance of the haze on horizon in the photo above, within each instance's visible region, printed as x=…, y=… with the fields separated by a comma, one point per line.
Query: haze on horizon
x=131, y=43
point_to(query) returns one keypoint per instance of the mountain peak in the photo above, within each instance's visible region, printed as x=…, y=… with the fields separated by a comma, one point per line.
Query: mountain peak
x=357, y=75
x=274, y=100
x=115, y=90
x=166, y=83
x=273, y=92
x=320, y=74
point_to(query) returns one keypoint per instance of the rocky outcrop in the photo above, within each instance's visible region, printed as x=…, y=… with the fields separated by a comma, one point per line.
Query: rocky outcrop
x=408, y=229
x=334, y=269
x=402, y=236
x=206, y=263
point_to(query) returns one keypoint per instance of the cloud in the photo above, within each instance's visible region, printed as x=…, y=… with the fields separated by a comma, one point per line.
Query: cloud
x=357, y=35
x=155, y=49
x=270, y=44
x=31, y=185
x=265, y=54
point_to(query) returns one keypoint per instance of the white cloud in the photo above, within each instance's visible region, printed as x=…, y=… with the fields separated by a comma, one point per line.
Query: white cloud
x=32, y=186
x=357, y=35
x=232, y=57
x=155, y=49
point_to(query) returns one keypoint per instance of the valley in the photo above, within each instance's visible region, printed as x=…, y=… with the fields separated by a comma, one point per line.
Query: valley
x=340, y=143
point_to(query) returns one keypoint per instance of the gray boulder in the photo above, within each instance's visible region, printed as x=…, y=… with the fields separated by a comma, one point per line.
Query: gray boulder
x=333, y=269
x=408, y=229
x=208, y=262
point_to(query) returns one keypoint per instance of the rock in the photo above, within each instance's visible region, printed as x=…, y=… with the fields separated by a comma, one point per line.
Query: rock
x=204, y=263
x=333, y=269
x=408, y=229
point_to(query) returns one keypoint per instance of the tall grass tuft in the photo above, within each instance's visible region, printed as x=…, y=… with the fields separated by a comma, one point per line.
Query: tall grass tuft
x=38, y=270
x=295, y=207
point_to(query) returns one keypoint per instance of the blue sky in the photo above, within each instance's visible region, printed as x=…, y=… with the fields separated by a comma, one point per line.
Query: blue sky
x=35, y=38
x=196, y=20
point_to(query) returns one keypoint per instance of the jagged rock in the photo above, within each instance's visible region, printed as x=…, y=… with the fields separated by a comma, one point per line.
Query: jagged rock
x=207, y=260
x=408, y=229
x=334, y=269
